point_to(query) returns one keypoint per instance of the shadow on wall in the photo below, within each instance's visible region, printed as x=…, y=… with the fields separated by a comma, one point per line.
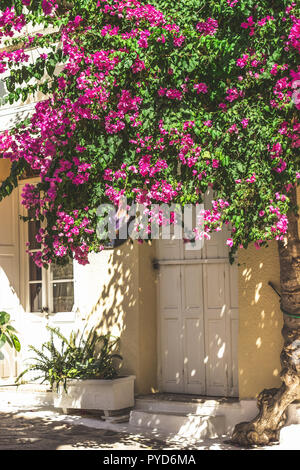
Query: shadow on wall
x=126, y=307
x=118, y=298
x=260, y=320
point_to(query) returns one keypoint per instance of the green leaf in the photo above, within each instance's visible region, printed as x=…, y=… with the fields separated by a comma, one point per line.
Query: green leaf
x=4, y=318
x=16, y=343
x=2, y=340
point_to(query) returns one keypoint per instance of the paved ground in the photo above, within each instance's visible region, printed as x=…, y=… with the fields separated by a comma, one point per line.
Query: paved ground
x=38, y=429
x=32, y=432
x=47, y=430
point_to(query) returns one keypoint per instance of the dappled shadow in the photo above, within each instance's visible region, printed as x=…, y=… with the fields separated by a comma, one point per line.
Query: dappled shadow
x=21, y=430
x=260, y=320
x=187, y=398
x=25, y=430
x=117, y=301
x=125, y=294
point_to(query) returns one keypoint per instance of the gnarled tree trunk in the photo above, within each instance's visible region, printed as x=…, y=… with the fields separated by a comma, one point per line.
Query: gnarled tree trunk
x=264, y=428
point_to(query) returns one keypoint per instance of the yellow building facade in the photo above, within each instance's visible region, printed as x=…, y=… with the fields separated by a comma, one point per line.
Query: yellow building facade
x=125, y=304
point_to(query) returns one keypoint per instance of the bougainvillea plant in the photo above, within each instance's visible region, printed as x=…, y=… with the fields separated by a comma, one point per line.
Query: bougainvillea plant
x=156, y=103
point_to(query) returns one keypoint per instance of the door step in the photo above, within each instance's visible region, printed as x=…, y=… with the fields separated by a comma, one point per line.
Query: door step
x=190, y=405
x=181, y=424
x=229, y=409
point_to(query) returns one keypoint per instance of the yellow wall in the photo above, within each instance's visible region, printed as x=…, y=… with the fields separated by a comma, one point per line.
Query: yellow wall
x=148, y=319
x=260, y=321
x=298, y=199
x=127, y=308
x=4, y=169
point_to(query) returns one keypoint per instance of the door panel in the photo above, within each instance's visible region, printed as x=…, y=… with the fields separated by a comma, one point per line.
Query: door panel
x=193, y=331
x=215, y=309
x=234, y=328
x=171, y=328
x=173, y=377
x=233, y=375
x=214, y=286
x=199, y=322
x=194, y=356
x=169, y=249
x=216, y=360
x=9, y=278
x=170, y=284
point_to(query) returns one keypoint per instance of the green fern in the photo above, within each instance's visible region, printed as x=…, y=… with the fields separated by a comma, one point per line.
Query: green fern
x=77, y=358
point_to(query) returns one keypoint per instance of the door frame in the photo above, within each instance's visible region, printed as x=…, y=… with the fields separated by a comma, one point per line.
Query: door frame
x=231, y=389
x=10, y=365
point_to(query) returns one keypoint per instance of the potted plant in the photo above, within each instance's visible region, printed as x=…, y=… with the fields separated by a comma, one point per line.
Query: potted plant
x=82, y=371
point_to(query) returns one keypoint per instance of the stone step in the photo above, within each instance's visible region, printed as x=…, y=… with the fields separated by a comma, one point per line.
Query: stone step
x=233, y=410
x=184, y=425
x=207, y=406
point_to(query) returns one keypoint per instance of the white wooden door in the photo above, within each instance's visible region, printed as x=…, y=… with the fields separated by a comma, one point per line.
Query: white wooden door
x=9, y=278
x=198, y=318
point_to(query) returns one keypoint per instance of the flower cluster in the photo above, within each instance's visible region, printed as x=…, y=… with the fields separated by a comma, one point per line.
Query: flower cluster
x=208, y=27
x=149, y=104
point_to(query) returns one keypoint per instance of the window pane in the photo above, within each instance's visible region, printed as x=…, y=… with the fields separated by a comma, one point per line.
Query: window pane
x=63, y=297
x=35, y=297
x=62, y=272
x=33, y=228
x=35, y=273
x=3, y=92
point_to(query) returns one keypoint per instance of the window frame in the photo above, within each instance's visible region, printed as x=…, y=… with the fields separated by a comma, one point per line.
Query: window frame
x=46, y=281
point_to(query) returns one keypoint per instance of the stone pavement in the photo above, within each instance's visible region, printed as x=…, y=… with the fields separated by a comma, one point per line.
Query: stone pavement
x=40, y=429
x=44, y=430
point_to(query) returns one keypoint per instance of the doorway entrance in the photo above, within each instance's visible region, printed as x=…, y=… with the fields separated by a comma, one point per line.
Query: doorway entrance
x=198, y=318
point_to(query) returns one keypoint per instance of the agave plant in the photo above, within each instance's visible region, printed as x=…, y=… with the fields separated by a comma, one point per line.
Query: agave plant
x=79, y=357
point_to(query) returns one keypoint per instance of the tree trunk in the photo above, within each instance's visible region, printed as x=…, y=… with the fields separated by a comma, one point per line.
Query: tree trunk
x=272, y=404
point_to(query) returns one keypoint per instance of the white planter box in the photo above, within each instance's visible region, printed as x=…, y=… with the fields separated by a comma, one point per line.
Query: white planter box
x=110, y=395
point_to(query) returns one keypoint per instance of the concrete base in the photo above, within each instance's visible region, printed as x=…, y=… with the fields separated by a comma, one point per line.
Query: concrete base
x=290, y=436
x=231, y=411
x=184, y=425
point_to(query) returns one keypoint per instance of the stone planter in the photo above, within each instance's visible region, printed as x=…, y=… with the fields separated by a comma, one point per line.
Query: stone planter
x=106, y=395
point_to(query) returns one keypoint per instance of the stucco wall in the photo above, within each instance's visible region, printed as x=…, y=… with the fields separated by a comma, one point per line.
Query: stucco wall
x=118, y=294
x=126, y=306
x=148, y=319
x=260, y=321
x=4, y=169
